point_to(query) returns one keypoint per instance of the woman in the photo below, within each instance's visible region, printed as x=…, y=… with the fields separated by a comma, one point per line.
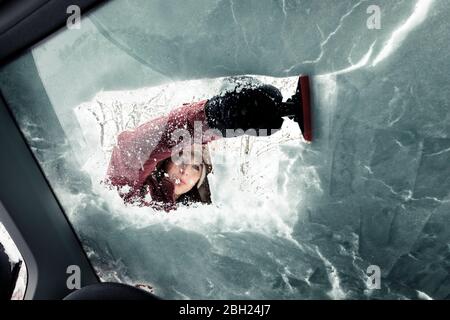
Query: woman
x=142, y=165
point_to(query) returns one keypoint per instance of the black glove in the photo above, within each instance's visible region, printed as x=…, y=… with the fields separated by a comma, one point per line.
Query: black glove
x=245, y=108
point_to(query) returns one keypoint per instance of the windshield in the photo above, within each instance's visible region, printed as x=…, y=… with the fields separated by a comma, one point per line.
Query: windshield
x=280, y=219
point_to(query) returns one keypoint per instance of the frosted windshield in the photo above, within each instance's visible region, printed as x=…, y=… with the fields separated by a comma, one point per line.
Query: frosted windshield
x=288, y=220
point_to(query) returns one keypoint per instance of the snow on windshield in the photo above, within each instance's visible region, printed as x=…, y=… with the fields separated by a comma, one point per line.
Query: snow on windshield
x=287, y=219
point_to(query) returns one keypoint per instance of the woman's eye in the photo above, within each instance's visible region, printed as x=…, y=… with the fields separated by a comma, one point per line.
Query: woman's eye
x=196, y=167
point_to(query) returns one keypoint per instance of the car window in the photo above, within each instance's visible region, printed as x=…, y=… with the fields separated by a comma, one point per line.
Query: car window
x=13, y=268
x=273, y=217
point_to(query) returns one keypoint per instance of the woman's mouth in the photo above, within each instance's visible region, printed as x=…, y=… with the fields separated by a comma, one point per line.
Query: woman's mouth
x=179, y=181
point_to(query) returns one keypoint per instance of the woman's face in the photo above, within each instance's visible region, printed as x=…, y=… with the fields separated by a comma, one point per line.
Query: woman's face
x=184, y=176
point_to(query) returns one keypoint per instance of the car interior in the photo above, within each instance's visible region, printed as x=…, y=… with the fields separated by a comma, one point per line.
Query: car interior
x=348, y=200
